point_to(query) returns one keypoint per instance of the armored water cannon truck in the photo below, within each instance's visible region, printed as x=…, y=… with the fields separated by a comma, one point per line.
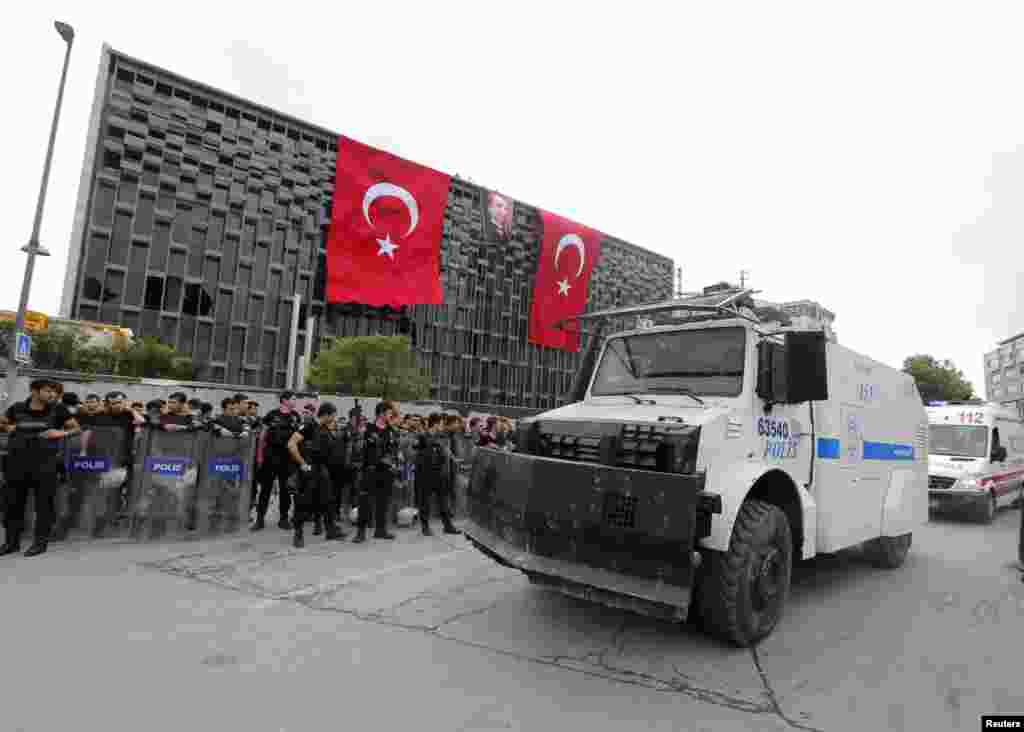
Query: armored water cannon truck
x=699, y=459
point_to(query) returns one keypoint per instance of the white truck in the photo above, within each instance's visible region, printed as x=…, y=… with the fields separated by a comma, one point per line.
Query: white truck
x=699, y=460
x=975, y=458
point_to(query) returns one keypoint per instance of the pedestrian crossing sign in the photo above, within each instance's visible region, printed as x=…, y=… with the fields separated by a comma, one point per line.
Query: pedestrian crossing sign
x=23, y=354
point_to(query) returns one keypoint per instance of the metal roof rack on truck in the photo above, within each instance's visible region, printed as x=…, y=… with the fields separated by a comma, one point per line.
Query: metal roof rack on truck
x=719, y=303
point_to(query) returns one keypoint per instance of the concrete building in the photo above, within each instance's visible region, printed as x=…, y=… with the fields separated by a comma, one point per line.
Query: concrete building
x=201, y=216
x=798, y=315
x=1004, y=373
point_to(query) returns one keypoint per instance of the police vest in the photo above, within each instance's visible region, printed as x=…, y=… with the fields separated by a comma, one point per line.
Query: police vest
x=280, y=430
x=29, y=427
x=317, y=444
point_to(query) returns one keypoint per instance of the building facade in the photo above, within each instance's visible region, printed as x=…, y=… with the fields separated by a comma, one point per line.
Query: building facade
x=798, y=315
x=1004, y=373
x=201, y=216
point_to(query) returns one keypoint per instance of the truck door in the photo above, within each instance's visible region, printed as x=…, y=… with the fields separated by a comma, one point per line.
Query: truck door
x=861, y=483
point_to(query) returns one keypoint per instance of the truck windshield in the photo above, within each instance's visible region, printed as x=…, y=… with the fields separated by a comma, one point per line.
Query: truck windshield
x=964, y=441
x=706, y=362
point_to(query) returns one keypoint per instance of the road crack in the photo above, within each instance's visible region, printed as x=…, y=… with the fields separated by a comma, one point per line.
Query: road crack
x=773, y=699
x=593, y=664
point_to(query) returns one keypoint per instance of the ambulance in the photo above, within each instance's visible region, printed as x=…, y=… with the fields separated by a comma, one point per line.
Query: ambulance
x=700, y=458
x=975, y=457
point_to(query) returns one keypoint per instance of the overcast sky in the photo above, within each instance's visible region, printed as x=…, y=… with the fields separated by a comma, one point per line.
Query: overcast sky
x=869, y=156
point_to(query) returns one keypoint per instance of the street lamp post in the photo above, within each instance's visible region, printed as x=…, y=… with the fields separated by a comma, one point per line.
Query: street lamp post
x=33, y=248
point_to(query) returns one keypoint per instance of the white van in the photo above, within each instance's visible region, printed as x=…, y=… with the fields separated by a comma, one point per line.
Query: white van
x=975, y=457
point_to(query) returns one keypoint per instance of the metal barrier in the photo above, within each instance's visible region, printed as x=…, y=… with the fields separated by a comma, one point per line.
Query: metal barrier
x=223, y=489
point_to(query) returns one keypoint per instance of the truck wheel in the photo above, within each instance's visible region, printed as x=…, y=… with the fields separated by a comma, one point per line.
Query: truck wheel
x=744, y=590
x=985, y=511
x=889, y=552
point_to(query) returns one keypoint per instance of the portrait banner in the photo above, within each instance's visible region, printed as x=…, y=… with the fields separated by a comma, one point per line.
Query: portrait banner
x=499, y=213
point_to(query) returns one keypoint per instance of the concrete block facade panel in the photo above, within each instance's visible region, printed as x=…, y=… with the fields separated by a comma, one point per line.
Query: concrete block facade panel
x=205, y=214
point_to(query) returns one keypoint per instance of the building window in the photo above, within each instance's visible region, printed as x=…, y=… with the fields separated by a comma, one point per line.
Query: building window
x=197, y=301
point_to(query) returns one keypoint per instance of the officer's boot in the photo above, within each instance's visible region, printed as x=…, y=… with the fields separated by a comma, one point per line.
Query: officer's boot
x=425, y=526
x=38, y=547
x=318, y=525
x=360, y=535
x=259, y=524
x=12, y=545
x=298, y=541
x=333, y=531
x=449, y=527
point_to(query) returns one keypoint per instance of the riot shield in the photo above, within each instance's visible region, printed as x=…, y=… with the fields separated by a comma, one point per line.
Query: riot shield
x=464, y=450
x=223, y=493
x=4, y=437
x=163, y=499
x=94, y=500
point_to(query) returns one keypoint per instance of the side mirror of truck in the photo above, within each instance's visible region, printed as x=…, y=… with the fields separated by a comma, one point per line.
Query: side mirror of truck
x=584, y=372
x=793, y=372
x=999, y=454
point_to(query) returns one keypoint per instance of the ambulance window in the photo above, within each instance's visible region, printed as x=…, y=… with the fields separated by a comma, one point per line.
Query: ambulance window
x=959, y=440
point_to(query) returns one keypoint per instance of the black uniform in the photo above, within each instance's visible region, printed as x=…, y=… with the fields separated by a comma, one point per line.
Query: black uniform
x=342, y=465
x=316, y=498
x=31, y=467
x=380, y=466
x=433, y=470
x=277, y=464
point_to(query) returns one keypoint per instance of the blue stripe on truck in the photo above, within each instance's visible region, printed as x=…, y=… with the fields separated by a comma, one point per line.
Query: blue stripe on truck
x=828, y=448
x=887, y=451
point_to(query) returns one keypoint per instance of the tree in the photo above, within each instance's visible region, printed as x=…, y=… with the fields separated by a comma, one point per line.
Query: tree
x=149, y=358
x=373, y=366
x=938, y=380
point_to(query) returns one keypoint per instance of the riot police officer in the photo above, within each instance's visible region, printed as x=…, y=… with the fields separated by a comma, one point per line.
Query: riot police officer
x=310, y=448
x=39, y=424
x=380, y=466
x=279, y=425
x=433, y=465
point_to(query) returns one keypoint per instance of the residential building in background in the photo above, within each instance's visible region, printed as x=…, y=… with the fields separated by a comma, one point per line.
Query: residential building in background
x=201, y=216
x=1004, y=373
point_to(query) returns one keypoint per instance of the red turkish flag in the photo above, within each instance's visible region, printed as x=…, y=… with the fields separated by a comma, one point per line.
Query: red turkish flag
x=568, y=255
x=384, y=246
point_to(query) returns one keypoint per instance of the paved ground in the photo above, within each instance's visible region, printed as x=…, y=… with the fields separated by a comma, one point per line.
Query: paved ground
x=427, y=634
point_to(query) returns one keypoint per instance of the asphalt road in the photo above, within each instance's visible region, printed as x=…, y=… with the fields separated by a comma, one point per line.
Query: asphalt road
x=427, y=634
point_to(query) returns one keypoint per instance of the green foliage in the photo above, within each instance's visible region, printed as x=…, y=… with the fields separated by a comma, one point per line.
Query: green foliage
x=373, y=366
x=938, y=380
x=96, y=360
x=149, y=358
x=54, y=349
x=61, y=349
x=6, y=332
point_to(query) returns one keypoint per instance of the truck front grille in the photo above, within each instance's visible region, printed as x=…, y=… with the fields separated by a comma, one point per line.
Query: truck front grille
x=637, y=446
x=620, y=511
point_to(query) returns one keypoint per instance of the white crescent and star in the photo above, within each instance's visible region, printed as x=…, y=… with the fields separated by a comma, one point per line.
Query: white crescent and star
x=387, y=248
x=570, y=240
